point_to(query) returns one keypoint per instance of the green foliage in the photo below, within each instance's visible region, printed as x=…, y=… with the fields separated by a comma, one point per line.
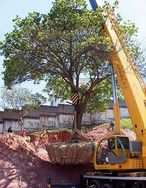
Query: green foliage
x=57, y=88
x=59, y=43
x=126, y=123
x=16, y=98
x=100, y=96
x=61, y=47
x=35, y=100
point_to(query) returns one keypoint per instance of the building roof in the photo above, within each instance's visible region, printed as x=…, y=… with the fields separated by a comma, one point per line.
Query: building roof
x=55, y=110
x=48, y=110
x=44, y=110
x=1, y=116
x=122, y=104
x=11, y=114
x=65, y=109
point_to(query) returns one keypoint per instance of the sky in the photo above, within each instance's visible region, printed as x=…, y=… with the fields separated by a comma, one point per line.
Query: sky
x=133, y=10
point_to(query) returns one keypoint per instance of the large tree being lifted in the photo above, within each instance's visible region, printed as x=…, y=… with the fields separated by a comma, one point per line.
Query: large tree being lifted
x=61, y=47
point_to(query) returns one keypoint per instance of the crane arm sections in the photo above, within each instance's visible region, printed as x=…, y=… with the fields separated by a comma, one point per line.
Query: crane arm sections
x=128, y=79
x=129, y=82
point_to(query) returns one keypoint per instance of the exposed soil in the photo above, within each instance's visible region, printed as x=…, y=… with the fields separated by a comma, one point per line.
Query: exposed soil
x=24, y=164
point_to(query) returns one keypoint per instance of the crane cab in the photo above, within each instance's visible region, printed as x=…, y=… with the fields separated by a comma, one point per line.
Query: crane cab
x=116, y=152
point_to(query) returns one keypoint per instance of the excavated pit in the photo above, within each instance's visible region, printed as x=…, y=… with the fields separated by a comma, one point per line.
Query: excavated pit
x=28, y=165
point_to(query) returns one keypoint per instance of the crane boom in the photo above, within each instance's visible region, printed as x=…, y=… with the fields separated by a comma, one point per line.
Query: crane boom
x=128, y=78
x=115, y=164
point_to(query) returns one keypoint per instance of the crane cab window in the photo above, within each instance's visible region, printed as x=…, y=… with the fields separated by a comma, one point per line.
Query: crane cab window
x=111, y=143
x=119, y=141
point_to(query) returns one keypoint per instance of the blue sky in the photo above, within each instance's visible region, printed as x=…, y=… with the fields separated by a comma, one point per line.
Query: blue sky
x=129, y=9
x=8, y=11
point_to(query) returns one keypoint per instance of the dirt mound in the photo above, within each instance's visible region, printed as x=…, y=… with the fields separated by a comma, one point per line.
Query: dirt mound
x=102, y=130
x=19, y=165
x=50, y=137
x=23, y=165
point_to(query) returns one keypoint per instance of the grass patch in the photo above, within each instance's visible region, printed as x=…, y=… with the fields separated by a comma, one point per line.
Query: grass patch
x=126, y=123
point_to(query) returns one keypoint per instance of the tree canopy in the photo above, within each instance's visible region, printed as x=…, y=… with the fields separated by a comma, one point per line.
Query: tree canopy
x=17, y=98
x=63, y=46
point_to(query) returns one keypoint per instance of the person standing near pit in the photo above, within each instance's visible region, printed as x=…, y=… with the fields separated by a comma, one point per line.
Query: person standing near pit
x=10, y=129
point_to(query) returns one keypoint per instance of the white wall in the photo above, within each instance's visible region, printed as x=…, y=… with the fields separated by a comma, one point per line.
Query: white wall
x=86, y=119
x=65, y=119
x=1, y=127
x=61, y=120
x=31, y=123
x=108, y=115
x=48, y=122
x=124, y=113
x=14, y=124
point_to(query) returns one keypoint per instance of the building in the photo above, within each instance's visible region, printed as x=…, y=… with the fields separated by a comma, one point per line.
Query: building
x=47, y=117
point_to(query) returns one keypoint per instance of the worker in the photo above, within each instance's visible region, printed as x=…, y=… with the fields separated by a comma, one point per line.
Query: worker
x=49, y=183
x=10, y=129
x=112, y=125
x=22, y=133
x=102, y=154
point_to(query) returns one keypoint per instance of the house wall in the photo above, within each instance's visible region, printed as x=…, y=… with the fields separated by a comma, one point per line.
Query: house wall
x=60, y=120
x=48, y=122
x=28, y=124
x=108, y=115
x=86, y=119
x=97, y=117
x=65, y=120
x=1, y=127
x=124, y=113
x=14, y=124
x=31, y=123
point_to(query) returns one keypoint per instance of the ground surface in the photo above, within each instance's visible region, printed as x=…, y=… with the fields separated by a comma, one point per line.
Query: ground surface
x=25, y=164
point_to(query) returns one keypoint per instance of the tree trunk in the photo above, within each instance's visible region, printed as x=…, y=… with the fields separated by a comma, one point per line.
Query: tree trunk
x=77, y=118
x=20, y=119
x=79, y=109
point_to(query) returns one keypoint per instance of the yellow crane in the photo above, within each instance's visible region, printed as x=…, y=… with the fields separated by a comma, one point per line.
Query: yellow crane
x=124, y=162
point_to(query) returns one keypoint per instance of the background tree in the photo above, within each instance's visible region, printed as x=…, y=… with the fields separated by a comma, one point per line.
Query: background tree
x=17, y=98
x=61, y=47
x=20, y=99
